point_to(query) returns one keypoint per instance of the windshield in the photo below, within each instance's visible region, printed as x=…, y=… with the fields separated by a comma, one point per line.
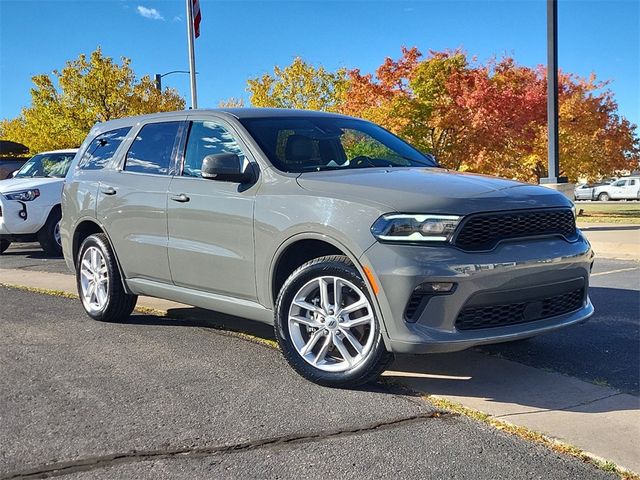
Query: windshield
x=310, y=144
x=46, y=165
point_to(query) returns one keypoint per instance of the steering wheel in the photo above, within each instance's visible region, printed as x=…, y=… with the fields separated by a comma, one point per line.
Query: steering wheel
x=362, y=160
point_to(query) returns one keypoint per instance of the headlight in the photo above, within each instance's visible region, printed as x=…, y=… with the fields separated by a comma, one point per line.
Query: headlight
x=415, y=228
x=24, y=195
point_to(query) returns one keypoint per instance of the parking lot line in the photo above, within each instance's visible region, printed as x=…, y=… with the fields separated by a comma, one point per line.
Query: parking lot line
x=620, y=270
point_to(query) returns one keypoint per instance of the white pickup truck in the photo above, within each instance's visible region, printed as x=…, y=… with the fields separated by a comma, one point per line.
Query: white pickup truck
x=627, y=188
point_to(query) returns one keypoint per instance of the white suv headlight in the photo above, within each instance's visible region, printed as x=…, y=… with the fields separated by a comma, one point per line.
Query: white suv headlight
x=23, y=195
x=396, y=227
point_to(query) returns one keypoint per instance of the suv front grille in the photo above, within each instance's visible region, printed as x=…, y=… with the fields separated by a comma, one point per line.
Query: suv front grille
x=483, y=231
x=472, y=318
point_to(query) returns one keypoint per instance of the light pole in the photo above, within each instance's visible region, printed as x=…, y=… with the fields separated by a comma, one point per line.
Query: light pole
x=553, y=156
x=157, y=78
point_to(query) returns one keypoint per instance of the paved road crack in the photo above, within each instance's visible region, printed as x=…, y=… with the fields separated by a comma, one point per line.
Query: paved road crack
x=102, y=461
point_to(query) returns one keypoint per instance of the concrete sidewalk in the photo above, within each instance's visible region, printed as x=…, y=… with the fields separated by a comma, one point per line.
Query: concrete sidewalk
x=597, y=419
x=612, y=240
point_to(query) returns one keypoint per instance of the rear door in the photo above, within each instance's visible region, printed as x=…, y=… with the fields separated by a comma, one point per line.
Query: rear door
x=211, y=242
x=631, y=189
x=132, y=201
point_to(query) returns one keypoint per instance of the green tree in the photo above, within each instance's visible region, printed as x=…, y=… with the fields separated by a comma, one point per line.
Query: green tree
x=67, y=104
x=299, y=85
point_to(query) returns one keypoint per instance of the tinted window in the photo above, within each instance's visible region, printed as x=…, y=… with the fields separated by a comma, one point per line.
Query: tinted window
x=324, y=143
x=207, y=138
x=102, y=148
x=152, y=150
x=632, y=182
x=620, y=183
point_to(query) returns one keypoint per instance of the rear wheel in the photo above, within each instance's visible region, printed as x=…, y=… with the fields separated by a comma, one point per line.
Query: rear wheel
x=604, y=197
x=99, y=283
x=49, y=234
x=4, y=244
x=326, y=325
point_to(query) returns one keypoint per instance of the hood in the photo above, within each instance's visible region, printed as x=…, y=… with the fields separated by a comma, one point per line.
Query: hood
x=17, y=184
x=431, y=190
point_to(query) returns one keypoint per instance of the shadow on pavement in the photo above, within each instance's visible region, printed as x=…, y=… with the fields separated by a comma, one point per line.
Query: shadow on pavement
x=600, y=350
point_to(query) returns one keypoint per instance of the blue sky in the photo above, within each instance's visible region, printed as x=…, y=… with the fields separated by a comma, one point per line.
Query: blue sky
x=243, y=39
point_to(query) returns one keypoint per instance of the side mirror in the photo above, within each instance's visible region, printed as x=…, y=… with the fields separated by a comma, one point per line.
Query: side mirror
x=14, y=173
x=224, y=167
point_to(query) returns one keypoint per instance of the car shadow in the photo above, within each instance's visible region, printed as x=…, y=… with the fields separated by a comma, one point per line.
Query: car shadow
x=501, y=373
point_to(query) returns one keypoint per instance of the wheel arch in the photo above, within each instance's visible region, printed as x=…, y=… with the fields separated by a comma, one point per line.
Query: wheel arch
x=84, y=229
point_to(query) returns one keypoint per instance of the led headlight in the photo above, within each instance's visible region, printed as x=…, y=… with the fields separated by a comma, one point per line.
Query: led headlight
x=24, y=195
x=397, y=227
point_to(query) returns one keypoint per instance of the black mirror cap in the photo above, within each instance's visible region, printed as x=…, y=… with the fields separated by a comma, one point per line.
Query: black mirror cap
x=224, y=167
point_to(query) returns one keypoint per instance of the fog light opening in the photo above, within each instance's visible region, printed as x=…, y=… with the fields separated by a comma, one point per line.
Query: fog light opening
x=437, y=287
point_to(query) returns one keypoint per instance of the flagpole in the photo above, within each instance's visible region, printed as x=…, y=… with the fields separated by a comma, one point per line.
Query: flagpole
x=192, y=55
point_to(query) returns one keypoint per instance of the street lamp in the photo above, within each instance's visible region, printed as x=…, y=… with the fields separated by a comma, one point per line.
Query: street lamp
x=157, y=78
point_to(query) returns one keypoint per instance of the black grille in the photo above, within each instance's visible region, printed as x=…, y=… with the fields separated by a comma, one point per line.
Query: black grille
x=412, y=306
x=484, y=231
x=472, y=318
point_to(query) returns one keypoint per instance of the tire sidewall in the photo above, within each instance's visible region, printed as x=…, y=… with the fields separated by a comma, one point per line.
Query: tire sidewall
x=112, y=272
x=47, y=237
x=297, y=280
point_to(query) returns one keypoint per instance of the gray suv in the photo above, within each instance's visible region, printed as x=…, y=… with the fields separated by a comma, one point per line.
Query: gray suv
x=354, y=244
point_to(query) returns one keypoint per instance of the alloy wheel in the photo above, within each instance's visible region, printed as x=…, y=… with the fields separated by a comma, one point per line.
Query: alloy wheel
x=94, y=279
x=331, y=324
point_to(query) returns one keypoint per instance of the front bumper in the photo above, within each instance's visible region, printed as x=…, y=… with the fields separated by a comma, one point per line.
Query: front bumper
x=511, y=266
x=22, y=218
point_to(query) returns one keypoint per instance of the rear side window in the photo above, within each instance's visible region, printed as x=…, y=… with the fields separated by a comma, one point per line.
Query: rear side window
x=102, y=148
x=152, y=150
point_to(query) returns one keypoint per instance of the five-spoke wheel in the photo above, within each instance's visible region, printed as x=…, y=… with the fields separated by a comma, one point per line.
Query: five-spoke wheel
x=326, y=324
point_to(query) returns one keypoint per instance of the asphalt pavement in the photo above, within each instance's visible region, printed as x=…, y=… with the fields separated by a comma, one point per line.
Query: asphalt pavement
x=155, y=397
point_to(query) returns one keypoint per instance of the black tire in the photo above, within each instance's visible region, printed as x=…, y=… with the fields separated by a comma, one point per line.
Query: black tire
x=119, y=304
x=369, y=367
x=604, y=197
x=4, y=244
x=47, y=235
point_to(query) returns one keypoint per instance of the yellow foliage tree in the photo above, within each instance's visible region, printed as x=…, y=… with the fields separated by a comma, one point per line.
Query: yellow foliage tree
x=299, y=85
x=87, y=90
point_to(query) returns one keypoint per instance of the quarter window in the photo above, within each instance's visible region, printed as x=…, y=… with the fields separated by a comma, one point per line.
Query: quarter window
x=208, y=138
x=102, y=148
x=152, y=150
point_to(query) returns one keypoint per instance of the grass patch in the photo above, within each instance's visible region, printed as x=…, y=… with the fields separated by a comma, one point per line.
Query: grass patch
x=620, y=212
x=532, y=436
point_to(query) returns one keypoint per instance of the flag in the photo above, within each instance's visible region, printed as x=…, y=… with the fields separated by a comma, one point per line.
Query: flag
x=197, y=17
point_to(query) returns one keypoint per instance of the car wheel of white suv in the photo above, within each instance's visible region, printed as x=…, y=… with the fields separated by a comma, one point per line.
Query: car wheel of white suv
x=326, y=325
x=99, y=283
x=49, y=234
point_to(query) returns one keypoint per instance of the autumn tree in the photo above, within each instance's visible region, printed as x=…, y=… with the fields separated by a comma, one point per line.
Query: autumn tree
x=299, y=85
x=492, y=118
x=66, y=105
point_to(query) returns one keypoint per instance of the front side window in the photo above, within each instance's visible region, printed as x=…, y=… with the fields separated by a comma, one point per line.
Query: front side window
x=46, y=165
x=102, y=148
x=307, y=144
x=208, y=138
x=620, y=183
x=152, y=150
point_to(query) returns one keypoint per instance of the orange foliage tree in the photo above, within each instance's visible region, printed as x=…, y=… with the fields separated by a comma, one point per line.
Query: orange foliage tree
x=491, y=118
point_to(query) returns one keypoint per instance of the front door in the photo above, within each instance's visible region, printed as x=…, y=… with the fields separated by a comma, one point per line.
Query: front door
x=211, y=245
x=132, y=202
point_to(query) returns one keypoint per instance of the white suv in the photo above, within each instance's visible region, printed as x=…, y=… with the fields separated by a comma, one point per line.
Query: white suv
x=627, y=188
x=30, y=201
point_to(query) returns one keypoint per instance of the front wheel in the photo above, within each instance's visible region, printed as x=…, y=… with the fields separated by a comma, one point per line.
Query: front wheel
x=326, y=325
x=4, y=244
x=604, y=197
x=49, y=234
x=99, y=283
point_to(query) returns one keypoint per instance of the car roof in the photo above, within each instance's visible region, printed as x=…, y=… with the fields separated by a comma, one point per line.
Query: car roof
x=64, y=150
x=237, y=113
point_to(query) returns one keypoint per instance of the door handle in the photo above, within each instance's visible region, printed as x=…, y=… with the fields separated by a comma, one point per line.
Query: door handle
x=109, y=191
x=182, y=198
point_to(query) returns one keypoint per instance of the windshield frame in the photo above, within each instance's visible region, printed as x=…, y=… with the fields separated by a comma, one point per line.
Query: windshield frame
x=415, y=158
x=22, y=171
